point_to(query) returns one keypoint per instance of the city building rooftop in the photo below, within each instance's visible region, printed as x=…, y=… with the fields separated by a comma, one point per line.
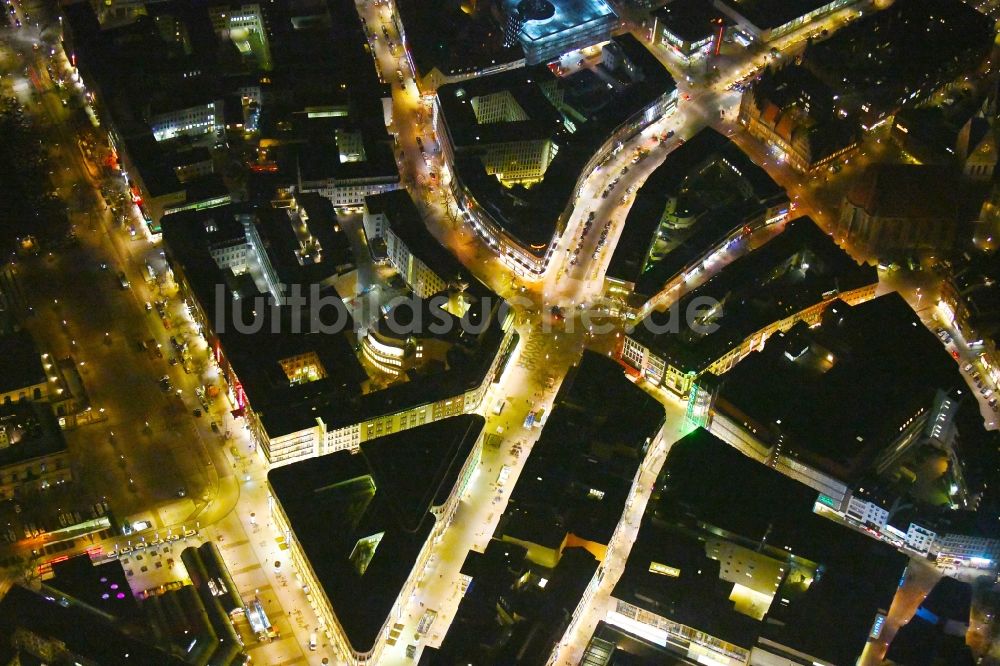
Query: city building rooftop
x=455, y=38
x=795, y=270
x=362, y=518
x=708, y=180
x=915, y=192
x=768, y=14
x=28, y=430
x=405, y=221
x=79, y=630
x=568, y=14
x=578, y=476
x=901, y=55
x=541, y=601
x=591, y=107
x=337, y=393
x=20, y=363
x=857, y=379
x=730, y=547
x=688, y=20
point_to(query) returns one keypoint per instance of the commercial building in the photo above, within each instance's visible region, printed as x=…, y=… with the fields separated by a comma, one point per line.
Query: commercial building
x=898, y=57
x=574, y=485
x=520, y=143
x=766, y=20
x=454, y=40
x=546, y=29
x=795, y=115
x=245, y=25
x=176, y=119
x=22, y=373
x=47, y=626
x=731, y=566
x=563, y=519
x=691, y=28
x=895, y=211
x=791, y=279
x=33, y=454
x=305, y=395
x=512, y=611
x=970, y=301
x=705, y=196
x=824, y=379
x=361, y=525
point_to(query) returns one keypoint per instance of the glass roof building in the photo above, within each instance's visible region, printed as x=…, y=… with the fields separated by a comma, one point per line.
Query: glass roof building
x=549, y=28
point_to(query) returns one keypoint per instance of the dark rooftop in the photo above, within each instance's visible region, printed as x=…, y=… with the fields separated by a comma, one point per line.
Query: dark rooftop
x=20, y=362
x=900, y=55
x=82, y=631
x=768, y=14
x=721, y=199
x=797, y=269
x=708, y=490
x=31, y=430
x=338, y=397
x=689, y=20
x=592, y=444
x=447, y=36
x=835, y=380
x=914, y=191
x=362, y=518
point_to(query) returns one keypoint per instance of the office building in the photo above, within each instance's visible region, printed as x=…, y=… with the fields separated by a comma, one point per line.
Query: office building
x=22, y=371
x=528, y=590
x=49, y=627
x=706, y=196
x=793, y=278
x=361, y=525
x=502, y=132
x=898, y=57
x=512, y=610
x=425, y=266
x=691, y=28
x=306, y=395
x=454, y=40
x=245, y=26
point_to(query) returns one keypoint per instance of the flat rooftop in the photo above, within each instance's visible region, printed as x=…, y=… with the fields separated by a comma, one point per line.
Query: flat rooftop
x=710, y=497
x=797, y=269
x=362, y=518
x=599, y=104
x=82, y=631
x=685, y=175
x=594, y=439
x=689, y=20
x=447, y=36
x=20, y=362
x=569, y=14
x=769, y=14
x=31, y=431
x=856, y=379
x=337, y=397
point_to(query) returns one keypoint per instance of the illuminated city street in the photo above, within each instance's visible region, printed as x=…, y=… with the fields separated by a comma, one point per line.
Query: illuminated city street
x=170, y=448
